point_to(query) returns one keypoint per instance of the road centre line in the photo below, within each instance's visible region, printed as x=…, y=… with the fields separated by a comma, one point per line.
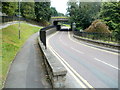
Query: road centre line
x=106, y=63
x=77, y=77
x=89, y=46
x=77, y=50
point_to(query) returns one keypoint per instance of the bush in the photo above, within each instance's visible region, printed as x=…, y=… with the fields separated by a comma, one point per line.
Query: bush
x=98, y=27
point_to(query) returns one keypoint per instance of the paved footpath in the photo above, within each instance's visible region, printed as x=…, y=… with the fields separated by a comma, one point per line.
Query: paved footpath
x=27, y=70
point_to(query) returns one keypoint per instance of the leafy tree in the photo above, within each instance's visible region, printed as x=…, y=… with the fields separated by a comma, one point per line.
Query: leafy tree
x=27, y=10
x=9, y=8
x=54, y=11
x=83, y=13
x=42, y=11
x=60, y=14
x=110, y=12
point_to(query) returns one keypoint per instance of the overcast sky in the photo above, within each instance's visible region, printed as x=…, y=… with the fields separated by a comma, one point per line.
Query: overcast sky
x=60, y=5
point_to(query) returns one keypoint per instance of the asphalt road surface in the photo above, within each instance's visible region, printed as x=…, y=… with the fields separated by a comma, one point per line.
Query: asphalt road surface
x=97, y=66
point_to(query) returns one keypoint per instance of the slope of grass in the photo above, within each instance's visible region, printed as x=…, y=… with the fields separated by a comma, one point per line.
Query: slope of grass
x=11, y=44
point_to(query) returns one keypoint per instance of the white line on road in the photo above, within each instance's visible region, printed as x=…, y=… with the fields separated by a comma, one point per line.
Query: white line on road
x=77, y=76
x=106, y=63
x=77, y=50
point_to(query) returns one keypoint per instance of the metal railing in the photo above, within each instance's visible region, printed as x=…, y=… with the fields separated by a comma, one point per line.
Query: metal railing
x=107, y=37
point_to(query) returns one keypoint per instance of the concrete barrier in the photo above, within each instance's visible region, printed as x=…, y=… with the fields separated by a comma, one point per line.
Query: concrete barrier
x=56, y=71
x=50, y=31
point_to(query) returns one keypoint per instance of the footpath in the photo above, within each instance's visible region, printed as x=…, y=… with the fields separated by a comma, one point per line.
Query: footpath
x=27, y=69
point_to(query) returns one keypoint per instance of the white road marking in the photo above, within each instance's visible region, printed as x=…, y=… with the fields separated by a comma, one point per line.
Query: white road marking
x=77, y=50
x=90, y=46
x=68, y=67
x=107, y=63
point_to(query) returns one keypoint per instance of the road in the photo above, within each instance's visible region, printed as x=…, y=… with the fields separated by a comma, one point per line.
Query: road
x=27, y=69
x=97, y=67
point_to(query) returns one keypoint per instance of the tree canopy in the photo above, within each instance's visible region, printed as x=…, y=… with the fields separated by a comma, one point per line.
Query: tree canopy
x=42, y=11
x=9, y=8
x=27, y=10
x=83, y=13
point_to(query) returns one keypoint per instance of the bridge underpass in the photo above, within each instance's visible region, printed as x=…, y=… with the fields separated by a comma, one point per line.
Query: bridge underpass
x=56, y=21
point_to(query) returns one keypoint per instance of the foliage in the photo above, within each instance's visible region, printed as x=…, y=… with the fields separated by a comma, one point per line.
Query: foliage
x=110, y=14
x=27, y=10
x=60, y=14
x=11, y=44
x=42, y=11
x=83, y=13
x=9, y=8
x=54, y=11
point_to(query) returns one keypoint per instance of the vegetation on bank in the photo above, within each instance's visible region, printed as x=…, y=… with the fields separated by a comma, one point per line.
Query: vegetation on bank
x=86, y=13
x=11, y=45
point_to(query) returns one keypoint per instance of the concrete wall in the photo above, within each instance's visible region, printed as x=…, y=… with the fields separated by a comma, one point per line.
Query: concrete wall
x=56, y=71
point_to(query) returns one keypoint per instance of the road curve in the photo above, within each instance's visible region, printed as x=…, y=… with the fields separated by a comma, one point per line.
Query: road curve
x=98, y=67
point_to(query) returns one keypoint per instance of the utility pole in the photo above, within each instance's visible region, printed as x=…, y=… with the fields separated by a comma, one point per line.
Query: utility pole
x=19, y=21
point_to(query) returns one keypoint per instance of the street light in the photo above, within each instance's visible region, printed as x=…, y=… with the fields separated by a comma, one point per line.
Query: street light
x=19, y=21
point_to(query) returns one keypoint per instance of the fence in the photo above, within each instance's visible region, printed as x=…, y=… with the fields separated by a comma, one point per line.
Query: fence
x=10, y=18
x=109, y=37
x=4, y=19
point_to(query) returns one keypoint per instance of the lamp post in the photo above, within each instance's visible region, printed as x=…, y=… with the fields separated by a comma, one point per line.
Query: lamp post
x=19, y=21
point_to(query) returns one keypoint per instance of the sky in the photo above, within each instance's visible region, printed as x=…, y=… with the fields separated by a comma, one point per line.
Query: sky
x=60, y=5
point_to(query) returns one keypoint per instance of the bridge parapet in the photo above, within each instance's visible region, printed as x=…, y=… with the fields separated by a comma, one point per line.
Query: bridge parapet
x=59, y=19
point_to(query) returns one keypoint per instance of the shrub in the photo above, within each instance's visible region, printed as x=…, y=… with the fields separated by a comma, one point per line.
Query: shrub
x=98, y=27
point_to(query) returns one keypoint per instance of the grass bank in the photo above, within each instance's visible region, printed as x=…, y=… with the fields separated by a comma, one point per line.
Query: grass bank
x=11, y=45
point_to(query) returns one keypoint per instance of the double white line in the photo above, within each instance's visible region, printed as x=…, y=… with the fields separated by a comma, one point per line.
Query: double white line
x=83, y=83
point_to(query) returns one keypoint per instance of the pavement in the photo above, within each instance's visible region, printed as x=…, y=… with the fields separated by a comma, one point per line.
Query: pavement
x=27, y=69
x=97, y=67
x=4, y=25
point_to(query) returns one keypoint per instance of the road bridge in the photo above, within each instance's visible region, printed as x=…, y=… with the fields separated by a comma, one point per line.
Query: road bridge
x=56, y=20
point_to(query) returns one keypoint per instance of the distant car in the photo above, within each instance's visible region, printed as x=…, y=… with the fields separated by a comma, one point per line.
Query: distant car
x=64, y=28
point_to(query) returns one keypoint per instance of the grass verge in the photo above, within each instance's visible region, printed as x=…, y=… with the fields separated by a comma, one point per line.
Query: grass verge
x=11, y=45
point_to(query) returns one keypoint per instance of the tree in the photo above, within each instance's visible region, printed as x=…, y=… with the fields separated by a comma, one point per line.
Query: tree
x=110, y=13
x=9, y=8
x=42, y=11
x=83, y=13
x=54, y=11
x=60, y=14
x=27, y=10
